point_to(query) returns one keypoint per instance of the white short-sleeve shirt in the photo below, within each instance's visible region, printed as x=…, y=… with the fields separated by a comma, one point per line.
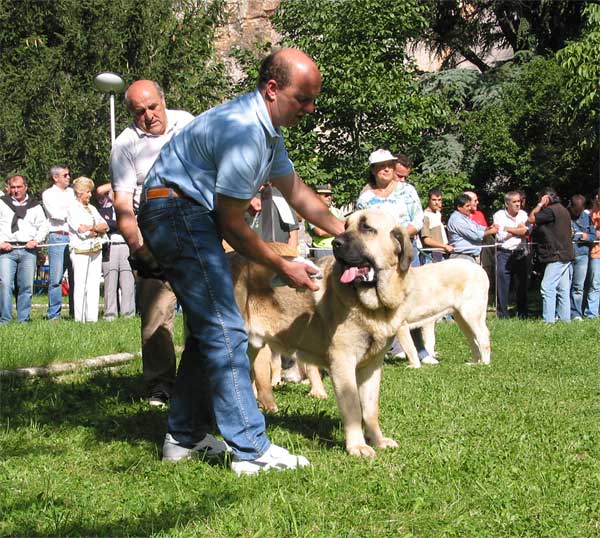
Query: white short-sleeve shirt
x=135, y=151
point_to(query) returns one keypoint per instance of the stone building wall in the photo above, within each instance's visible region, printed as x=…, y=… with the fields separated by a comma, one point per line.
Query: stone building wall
x=248, y=23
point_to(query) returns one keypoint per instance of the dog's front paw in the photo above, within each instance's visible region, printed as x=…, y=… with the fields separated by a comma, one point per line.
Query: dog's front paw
x=319, y=394
x=413, y=365
x=268, y=405
x=386, y=442
x=363, y=451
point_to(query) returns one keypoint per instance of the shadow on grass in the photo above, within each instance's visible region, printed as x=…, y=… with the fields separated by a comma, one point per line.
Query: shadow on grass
x=318, y=427
x=111, y=405
x=67, y=520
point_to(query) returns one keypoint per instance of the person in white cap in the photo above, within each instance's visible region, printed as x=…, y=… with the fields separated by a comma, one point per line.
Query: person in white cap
x=400, y=199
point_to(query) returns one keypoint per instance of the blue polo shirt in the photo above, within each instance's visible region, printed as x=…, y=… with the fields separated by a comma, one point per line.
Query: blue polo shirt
x=464, y=234
x=231, y=149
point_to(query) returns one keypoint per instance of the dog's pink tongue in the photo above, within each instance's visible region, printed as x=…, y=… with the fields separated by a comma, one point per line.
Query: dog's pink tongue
x=350, y=274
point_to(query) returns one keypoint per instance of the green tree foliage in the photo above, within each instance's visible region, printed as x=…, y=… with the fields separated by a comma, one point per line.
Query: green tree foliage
x=51, y=51
x=370, y=96
x=580, y=60
x=513, y=127
x=471, y=29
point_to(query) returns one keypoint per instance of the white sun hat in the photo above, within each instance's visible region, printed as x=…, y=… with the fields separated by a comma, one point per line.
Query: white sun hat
x=381, y=156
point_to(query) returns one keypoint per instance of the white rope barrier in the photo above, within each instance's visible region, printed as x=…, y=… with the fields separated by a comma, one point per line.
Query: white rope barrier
x=436, y=249
x=66, y=244
x=494, y=245
x=433, y=249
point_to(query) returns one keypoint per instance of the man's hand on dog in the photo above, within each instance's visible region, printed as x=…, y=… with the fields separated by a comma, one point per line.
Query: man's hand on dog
x=297, y=275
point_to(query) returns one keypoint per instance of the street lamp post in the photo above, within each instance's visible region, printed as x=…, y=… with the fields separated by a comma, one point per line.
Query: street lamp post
x=110, y=83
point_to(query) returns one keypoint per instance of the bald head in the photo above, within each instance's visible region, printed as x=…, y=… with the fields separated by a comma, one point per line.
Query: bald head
x=474, y=199
x=281, y=64
x=289, y=80
x=145, y=101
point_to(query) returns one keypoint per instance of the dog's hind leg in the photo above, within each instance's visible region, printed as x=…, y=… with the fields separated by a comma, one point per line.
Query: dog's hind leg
x=343, y=376
x=261, y=369
x=275, y=369
x=317, y=389
x=408, y=346
x=475, y=330
x=428, y=331
x=369, y=382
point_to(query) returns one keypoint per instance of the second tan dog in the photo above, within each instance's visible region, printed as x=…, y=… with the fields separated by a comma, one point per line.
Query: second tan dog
x=347, y=325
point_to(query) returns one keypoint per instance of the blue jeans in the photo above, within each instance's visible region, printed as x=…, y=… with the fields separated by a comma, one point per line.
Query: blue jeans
x=593, y=296
x=511, y=265
x=58, y=260
x=578, y=272
x=214, y=372
x=22, y=263
x=555, y=289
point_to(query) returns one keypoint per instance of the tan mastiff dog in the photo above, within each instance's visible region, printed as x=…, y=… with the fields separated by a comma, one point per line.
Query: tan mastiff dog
x=347, y=325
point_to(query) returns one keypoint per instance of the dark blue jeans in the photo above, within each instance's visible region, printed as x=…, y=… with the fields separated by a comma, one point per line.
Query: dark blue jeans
x=511, y=266
x=214, y=372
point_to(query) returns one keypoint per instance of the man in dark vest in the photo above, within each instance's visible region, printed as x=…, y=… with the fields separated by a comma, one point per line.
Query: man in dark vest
x=23, y=225
x=555, y=249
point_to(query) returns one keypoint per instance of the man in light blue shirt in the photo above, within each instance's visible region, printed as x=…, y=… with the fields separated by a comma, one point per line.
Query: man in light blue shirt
x=584, y=235
x=197, y=194
x=464, y=234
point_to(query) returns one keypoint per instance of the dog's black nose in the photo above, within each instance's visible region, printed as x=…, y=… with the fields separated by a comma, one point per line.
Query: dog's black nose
x=338, y=242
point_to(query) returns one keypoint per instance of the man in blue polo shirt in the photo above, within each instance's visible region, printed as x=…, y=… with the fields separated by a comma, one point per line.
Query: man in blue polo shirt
x=197, y=194
x=465, y=235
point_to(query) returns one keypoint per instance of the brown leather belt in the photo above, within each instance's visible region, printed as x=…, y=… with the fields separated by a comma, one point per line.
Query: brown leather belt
x=59, y=232
x=161, y=192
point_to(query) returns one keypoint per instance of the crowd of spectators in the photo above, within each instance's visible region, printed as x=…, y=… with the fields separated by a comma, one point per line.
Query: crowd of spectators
x=85, y=247
x=554, y=243
x=182, y=186
x=79, y=243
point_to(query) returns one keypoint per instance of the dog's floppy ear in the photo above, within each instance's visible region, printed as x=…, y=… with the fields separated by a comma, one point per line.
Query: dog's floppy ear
x=404, y=249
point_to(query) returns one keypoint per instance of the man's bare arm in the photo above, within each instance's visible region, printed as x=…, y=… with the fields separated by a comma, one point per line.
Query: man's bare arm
x=519, y=231
x=230, y=218
x=126, y=219
x=432, y=243
x=319, y=232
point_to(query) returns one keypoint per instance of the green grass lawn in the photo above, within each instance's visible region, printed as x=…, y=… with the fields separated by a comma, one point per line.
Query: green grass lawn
x=506, y=450
x=41, y=343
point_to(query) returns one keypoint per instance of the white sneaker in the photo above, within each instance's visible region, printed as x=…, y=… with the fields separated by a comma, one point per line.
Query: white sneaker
x=275, y=457
x=429, y=360
x=209, y=447
x=158, y=399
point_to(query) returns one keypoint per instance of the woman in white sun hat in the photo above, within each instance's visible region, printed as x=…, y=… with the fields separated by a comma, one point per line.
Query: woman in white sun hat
x=399, y=199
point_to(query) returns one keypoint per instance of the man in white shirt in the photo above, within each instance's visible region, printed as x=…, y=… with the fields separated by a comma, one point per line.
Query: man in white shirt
x=132, y=155
x=23, y=226
x=56, y=201
x=511, y=257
